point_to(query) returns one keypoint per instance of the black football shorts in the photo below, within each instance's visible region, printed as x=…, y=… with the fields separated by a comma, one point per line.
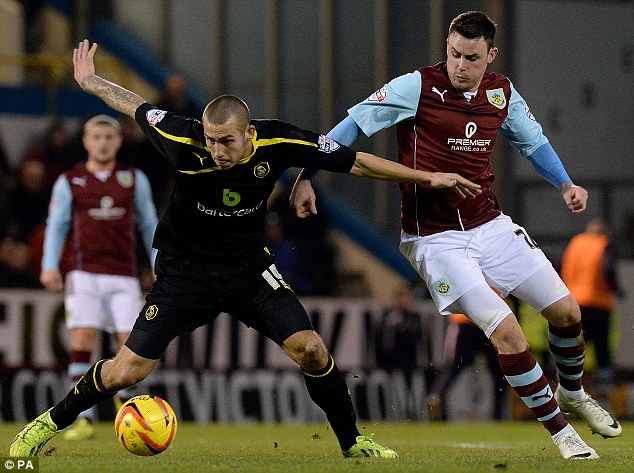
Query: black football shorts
x=190, y=293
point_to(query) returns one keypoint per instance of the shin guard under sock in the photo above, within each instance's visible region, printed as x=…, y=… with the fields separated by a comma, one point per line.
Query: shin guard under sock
x=328, y=389
x=88, y=391
x=525, y=376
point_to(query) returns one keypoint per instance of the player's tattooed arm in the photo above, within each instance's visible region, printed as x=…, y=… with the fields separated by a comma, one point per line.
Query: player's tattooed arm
x=115, y=96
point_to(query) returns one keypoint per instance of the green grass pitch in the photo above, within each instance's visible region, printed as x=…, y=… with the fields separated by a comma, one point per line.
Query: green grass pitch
x=423, y=447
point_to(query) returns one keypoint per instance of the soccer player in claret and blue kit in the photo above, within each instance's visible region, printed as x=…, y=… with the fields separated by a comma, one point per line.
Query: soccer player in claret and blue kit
x=211, y=252
x=95, y=210
x=447, y=119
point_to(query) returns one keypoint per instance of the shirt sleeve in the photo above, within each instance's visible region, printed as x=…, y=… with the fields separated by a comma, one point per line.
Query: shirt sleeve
x=520, y=128
x=345, y=132
x=323, y=153
x=394, y=102
x=57, y=224
x=145, y=212
x=548, y=165
x=169, y=132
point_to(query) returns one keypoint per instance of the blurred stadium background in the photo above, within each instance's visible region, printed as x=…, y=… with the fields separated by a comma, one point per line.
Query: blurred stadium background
x=306, y=62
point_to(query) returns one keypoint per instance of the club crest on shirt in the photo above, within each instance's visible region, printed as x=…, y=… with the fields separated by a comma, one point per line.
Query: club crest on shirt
x=442, y=286
x=79, y=181
x=261, y=170
x=125, y=178
x=327, y=145
x=378, y=96
x=154, y=116
x=151, y=312
x=496, y=98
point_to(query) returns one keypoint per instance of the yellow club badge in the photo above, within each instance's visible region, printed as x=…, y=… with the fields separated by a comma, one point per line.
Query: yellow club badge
x=261, y=170
x=151, y=312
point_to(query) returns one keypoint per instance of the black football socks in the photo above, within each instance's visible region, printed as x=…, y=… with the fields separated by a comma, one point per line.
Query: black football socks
x=88, y=391
x=328, y=389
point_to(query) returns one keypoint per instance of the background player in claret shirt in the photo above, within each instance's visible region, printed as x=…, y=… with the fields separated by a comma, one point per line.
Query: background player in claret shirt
x=447, y=118
x=96, y=205
x=212, y=256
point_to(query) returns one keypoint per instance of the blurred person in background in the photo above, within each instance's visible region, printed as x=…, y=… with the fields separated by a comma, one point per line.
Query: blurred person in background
x=26, y=202
x=399, y=334
x=52, y=150
x=175, y=98
x=463, y=342
x=15, y=265
x=96, y=206
x=287, y=259
x=588, y=267
x=313, y=245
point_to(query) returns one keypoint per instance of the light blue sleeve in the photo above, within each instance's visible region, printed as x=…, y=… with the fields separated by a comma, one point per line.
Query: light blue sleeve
x=60, y=214
x=145, y=212
x=520, y=127
x=547, y=163
x=345, y=132
x=525, y=134
x=394, y=102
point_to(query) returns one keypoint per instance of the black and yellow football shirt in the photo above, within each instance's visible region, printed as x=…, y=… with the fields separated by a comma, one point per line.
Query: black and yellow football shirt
x=219, y=213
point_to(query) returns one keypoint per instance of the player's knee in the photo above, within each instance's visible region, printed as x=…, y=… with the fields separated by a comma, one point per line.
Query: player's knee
x=563, y=313
x=314, y=355
x=508, y=337
x=308, y=351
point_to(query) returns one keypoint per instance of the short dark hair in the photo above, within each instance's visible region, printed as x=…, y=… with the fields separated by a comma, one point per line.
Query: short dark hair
x=224, y=107
x=472, y=25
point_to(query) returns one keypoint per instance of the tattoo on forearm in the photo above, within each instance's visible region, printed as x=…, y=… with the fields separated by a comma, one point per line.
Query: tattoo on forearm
x=115, y=96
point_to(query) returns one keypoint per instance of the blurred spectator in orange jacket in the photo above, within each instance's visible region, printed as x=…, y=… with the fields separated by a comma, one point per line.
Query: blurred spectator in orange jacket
x=588, y=268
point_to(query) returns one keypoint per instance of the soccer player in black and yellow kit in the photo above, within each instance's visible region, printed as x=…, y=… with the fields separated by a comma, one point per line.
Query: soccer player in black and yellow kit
x=212, y=256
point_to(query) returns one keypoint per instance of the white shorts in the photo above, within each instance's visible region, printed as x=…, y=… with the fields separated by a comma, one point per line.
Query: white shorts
x=497, y=254
x=102, y=301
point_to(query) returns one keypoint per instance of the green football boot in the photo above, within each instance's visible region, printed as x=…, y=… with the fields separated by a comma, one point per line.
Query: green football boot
x=82, y=429
x=366, y=447
x=29, y=441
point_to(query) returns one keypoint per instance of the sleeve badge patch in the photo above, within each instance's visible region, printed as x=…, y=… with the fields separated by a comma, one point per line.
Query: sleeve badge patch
x=327, y=145
x=154, y=116
x=496, y=98
x=378, y=96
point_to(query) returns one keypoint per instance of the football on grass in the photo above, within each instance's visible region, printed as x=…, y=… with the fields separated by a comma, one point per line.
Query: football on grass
x=145, y=425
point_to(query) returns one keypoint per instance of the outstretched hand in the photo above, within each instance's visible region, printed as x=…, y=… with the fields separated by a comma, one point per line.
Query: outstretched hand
x=461, y=186
x=575, y=197
x=83, y=61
